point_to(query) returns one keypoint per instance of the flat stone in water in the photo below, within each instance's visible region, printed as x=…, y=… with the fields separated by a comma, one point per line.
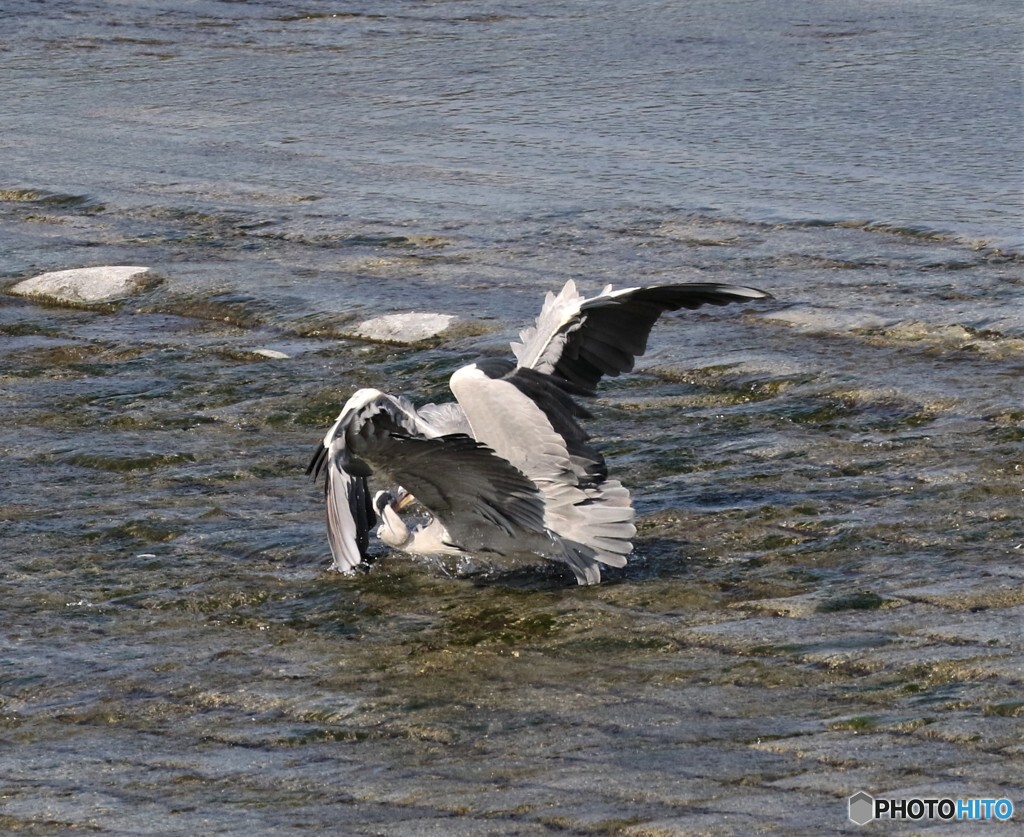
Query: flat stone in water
x=826, y=321
x=84, y=285
x=409, y=327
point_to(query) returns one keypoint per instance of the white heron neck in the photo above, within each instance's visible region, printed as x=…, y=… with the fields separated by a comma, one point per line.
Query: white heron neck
x=393, y=530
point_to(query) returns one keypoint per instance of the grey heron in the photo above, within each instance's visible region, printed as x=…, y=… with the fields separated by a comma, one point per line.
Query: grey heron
x=506, y=468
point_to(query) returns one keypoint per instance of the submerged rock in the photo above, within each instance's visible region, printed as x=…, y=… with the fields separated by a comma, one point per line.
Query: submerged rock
x=409, y=327
x=84, y=285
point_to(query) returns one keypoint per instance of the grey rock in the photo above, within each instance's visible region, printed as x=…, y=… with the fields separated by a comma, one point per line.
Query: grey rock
x=84, y=285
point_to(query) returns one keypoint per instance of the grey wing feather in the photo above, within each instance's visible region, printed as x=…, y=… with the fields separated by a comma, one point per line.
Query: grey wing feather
x=579, y=507
x=457, y=479
x=350, y=513
x=445, y=419
x=553, y=396
x=350, y=517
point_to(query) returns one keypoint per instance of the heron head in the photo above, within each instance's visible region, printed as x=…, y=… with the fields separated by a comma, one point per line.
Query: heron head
x=397, y=500
x=383, y=500
x=392, y=529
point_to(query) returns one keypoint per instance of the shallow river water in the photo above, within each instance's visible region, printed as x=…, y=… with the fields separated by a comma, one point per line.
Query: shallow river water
x=827, y=591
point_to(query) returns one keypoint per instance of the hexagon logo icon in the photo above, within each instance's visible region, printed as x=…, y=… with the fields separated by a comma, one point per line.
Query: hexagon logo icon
x=862, y=808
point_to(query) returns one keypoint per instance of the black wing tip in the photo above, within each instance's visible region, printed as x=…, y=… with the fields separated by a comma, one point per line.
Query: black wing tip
x=695, y=294
x=614, y=328
x=361, y=505
x=316, y=464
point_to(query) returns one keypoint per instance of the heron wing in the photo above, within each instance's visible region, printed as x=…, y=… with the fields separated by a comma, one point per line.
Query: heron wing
x=446, y=418
x=350, y=517
x=581, y=340
x=553, y=397
x=537, y=439
x=350, y=513
x=459, y=480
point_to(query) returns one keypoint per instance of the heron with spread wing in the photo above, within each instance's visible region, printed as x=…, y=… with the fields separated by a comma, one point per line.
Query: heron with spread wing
x=505, y=469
